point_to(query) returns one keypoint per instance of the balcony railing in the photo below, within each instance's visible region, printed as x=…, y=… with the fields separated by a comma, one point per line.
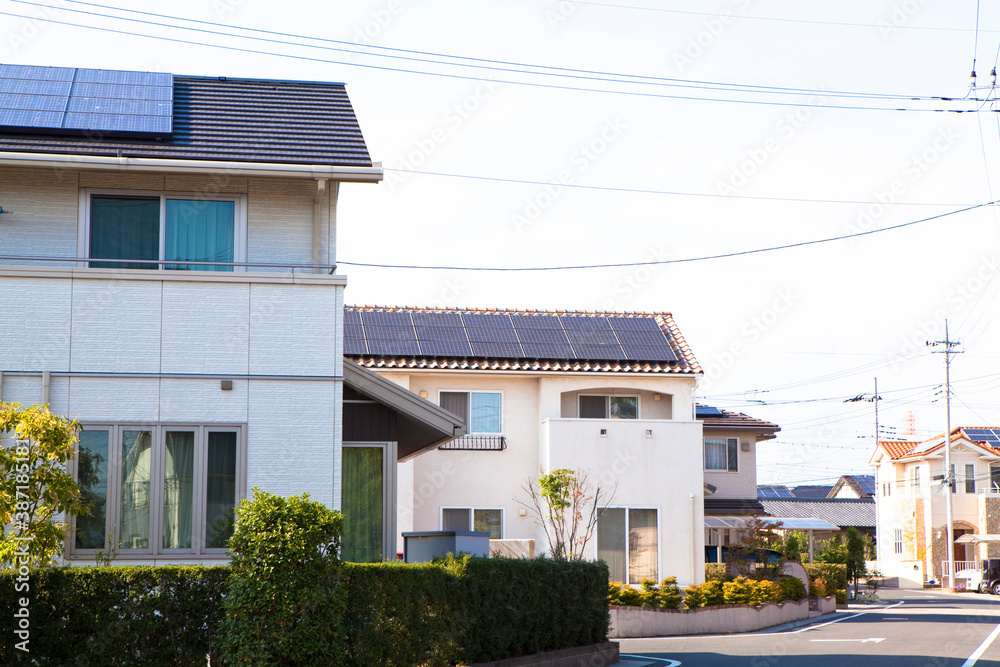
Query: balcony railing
x=959, y=566
x=329, y=268
x=478, y=443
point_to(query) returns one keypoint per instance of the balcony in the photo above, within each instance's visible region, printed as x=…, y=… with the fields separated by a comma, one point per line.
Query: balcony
x=477, y=443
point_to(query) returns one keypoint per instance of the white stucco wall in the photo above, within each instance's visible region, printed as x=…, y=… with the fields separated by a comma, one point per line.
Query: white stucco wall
x=662, y=472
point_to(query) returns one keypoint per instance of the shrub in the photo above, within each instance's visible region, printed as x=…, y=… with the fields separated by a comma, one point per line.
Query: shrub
x=835, y=574
x=751, y=591
x=792, y=588
x=817, y=587
x=841, y=596
x=694, y=597
x=286, y=602
x=665, y=596
x=713, y=593
x=715, y=571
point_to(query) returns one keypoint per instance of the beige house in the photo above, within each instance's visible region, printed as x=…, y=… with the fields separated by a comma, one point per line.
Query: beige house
x=911, y=487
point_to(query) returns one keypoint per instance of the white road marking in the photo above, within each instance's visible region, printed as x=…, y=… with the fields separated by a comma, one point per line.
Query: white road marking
x=982, y=648
x=838, y=620
x=668, y=663
x=875, y=640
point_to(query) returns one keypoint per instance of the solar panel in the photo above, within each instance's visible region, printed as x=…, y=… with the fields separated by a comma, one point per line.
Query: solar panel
x=354, y=333
x=707, y=411
x=985, y=435
x=542, y=337
x=642, y=339
x=492, y=335
x=67, y=100
x=390, y=333
x=592, y=337
x=442, y=335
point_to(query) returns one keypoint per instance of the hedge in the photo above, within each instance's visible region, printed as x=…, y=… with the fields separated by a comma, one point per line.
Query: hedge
x=91, y=616
x=460, y=611
x=835, y=574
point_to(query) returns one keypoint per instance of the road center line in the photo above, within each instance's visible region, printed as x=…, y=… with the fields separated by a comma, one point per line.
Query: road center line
x=982, y=648
x=838, y=620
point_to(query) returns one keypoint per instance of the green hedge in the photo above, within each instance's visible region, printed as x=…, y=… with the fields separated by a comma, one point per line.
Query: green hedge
x=835, y=574
x=116, y=616
x=459, y=611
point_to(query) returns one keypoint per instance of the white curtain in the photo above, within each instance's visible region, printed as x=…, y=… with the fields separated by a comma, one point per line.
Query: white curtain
x=178, y=490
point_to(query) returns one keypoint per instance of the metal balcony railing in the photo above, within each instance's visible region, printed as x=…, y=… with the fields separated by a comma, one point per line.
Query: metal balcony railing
x=478, y=443
x=85, y=261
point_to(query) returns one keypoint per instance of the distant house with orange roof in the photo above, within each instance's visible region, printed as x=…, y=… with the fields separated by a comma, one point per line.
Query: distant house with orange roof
x=911, y=485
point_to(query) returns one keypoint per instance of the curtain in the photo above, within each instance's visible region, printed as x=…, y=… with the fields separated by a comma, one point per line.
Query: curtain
x=92, y=473
x=642, y=547
x=200, y=231
x=457, y=403
x=715, y=454
x=455, y=519
x=178, y=490
x=137, y=449
x=484, y=413
x=125, y=228
x=221, y=488
x=489, y=521
x=593, y=407
x=362, y=502
x=611, y=545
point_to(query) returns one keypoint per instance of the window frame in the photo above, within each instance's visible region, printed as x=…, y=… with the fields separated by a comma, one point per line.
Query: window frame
x=732, y=446
x=389, y=491
x=113, y=506
x=239, y=221
x=472, y=516
x=970, y=480
x=468, y=416
x=607, y=405
x=897, y=541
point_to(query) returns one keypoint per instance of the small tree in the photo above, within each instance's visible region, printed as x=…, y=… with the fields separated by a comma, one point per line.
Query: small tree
x=795, y=544
x=567, y=509
x=855, y=557
x=35, y=487
x=286, y=603
x=754, y=542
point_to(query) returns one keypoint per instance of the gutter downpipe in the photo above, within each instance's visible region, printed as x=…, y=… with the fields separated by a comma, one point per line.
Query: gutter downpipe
x=694, y=542
x=318, y=220
x=46, y=386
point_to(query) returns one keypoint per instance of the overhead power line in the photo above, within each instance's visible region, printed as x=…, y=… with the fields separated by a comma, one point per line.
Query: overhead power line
x=618, y=265
x=635, y=80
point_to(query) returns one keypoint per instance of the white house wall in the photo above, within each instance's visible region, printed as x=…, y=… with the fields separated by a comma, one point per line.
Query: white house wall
x=95, y=329
x=663, y=472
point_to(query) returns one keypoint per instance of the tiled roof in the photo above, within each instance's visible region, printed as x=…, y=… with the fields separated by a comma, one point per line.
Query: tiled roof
x=726, y=506
x=906, y=449
x=843, y=512
x=811, y=491
x=282, y=122
x=737, y=421
x=863, y=485
x=685, y=364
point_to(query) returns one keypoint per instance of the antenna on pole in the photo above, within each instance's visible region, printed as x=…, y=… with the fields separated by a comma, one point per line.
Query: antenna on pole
x=949, y=474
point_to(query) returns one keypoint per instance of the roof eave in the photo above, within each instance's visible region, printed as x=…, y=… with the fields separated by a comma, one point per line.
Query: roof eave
x=343, y=173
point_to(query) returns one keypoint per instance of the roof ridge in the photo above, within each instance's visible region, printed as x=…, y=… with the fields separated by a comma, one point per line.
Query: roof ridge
x=494, y=309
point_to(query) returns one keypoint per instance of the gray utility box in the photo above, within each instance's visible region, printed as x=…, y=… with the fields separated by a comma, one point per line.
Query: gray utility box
x=425, y=546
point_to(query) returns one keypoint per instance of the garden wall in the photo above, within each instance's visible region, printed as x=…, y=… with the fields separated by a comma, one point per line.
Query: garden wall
x=722, y=619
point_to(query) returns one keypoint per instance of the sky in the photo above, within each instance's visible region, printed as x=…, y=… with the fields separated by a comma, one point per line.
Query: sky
x=654, y=137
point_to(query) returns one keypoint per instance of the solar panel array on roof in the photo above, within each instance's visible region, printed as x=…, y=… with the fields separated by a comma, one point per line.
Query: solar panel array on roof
x=66, y=100
x=499, y=335
x=773, y=492
x=707, y=411
x=989, y=436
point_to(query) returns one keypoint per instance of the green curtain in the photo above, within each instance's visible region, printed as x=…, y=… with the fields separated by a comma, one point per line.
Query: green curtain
x=199, y=231
x=125, y=228
x=363, y=501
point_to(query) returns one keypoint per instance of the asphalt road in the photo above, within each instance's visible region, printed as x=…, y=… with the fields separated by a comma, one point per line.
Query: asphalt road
x=909, y=629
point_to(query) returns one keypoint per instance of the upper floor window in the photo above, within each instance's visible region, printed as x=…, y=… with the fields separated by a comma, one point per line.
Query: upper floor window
x=897, y=540
x=481, y=410
x=722, y=454
x=970, y=477
x=609, y=407
x=164, y=228
x=158, y=489
x=915, y=478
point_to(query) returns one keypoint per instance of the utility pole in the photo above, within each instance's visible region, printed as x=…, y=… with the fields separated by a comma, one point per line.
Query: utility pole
x=950, y=529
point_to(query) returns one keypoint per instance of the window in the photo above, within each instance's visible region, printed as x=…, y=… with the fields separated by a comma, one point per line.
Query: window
x=609, y=407
x=722, y=454
x=627, y=541
x=994, y=479
x=897, y=535
x=467, y=518
x=970, y=477
x=164, y=227
x=481, y=410
x=368, y=502
x=162, y=489
x=915, y=479
x=951, y=477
